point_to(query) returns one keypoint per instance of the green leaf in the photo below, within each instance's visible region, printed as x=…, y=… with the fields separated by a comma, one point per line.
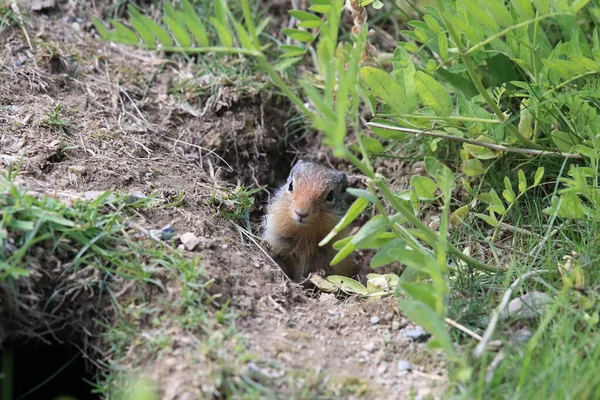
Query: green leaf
x=421, y=260
x=585, y=62
x=373, y=228
x=385, y=87
x=285, y=63
x=563, y=140
x=310, y=24
x=194, y=23
x=423, y=292
x=433, y=94
x=577, y=5
x=422, y=314
x=490, y=219
x=480, y=152
x=497, y=9
x=568, y=206
x=353, y=212
x=479, y=13
x=383, y=256
x=303, y=15
x=141, y=28
x=523, y=8
x=158, y=31
x=125, y=35
x=365, y=194
x=542, y=6
x=473, y=167
x=372, y=145
x=539, y=174
x=508, y=193
x=292, y=51
x=297, y=34
x=224, y=36
x=323, y=284
x=343, y=253
x=348, y=285
x=424, y=187
x=101, y=29
x=522, y=181
x=179, y=31
x=242, y=35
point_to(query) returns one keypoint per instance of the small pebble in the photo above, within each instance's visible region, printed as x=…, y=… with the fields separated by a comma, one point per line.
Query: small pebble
x=370, y=347
x=375, y=319
x=165, y=233
x=417, y=334
x=77, y=169
x=189, y=240
x=404, y=365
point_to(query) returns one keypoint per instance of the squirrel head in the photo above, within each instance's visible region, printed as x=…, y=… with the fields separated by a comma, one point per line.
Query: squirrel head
x=315, y=195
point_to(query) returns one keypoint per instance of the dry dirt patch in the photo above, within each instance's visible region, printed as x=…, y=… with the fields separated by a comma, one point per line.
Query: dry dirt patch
x=84, y=116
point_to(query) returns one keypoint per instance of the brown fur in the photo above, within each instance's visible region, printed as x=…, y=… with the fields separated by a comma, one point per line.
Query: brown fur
x=296, y=246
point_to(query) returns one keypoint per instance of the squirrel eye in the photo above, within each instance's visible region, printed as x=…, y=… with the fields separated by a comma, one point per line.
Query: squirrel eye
x=330, y=196
x=291, y=187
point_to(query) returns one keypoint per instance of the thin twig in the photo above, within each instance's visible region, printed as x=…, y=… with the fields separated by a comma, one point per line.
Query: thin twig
x=498, y=147
x=489, y=331
x=544, y=240
x=15, y=8
x=489, y=372
x=198, y=147
x=463, y=328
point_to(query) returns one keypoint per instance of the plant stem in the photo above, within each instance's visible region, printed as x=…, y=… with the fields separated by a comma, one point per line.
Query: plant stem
x=475, y=142
x=505, y=31
x=284, y=88
x=432, y=237
x=437, y=117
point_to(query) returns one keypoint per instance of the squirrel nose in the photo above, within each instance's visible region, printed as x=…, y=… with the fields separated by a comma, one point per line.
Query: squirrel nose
x=302, y=212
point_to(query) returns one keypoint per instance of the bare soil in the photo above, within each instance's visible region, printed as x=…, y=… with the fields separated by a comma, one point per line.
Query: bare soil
x=121, y=126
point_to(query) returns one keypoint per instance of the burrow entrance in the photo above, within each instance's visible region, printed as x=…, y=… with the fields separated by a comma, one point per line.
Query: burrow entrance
x=35, y=369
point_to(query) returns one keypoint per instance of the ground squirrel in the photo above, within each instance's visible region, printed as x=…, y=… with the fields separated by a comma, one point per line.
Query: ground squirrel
x=300, y=214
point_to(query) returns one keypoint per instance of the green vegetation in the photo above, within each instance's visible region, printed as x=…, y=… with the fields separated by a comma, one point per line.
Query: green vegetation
x=502, y=98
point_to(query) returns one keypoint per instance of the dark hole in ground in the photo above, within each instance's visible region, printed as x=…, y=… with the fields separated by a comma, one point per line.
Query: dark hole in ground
x=58, y=371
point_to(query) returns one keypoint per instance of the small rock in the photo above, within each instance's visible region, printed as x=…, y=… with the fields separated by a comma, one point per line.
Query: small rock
x=77, y=169
x=370, y=347
x=291, y=323
x=137, y=194
x=528, y=306
x=165, y=233
x=189, y=240
x=395, y=325
x=337, y=313
x=404, y=365
x=38, y=5
x=521, y=336
x=382, y=369
x=375, y=319
x=418, y=334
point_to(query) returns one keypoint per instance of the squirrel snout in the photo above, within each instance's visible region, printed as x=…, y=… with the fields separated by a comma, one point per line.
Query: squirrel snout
x=300, y=214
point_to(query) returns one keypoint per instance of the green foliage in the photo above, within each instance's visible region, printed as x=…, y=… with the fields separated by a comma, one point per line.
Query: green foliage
x=236, y=204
